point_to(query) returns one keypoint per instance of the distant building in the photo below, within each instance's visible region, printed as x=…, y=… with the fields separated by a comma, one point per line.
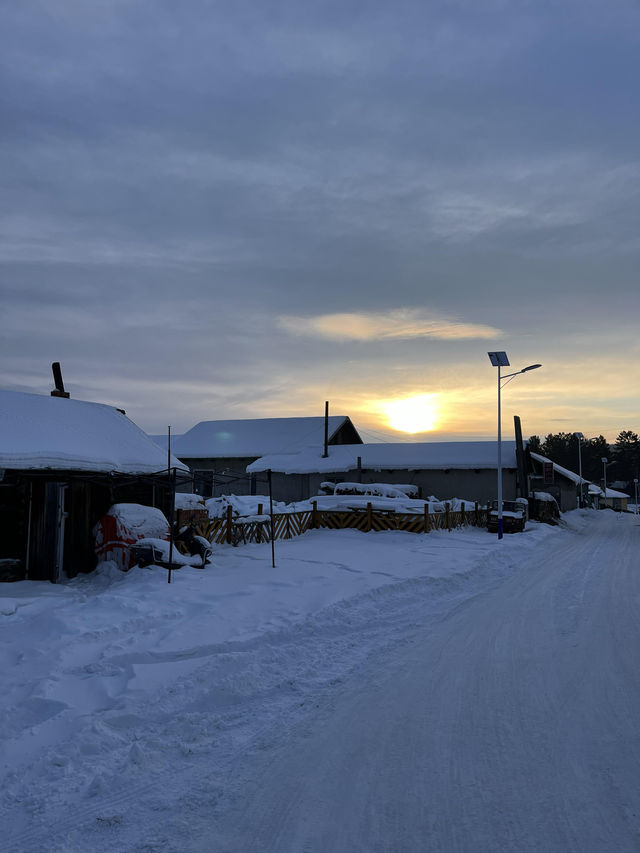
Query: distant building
x=564, y=486
x=218, y=452
x=613, y=499
x=463, y=469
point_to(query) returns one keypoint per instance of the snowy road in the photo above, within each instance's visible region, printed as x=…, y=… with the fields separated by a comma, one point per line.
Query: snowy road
x=510, y=724
x=373, y=692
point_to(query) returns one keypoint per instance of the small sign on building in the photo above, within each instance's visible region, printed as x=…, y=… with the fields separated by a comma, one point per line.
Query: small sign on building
x=548, y=473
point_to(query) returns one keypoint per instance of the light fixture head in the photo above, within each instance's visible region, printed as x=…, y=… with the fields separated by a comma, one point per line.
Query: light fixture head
x=530, y=367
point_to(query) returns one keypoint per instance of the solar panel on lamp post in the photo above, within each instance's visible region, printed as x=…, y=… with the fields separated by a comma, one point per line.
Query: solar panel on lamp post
x=500, y=360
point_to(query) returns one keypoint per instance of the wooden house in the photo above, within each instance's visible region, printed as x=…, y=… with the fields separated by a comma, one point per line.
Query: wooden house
x=62, y=464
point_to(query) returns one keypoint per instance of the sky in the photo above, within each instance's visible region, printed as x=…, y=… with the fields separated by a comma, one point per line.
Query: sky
x=228, y=210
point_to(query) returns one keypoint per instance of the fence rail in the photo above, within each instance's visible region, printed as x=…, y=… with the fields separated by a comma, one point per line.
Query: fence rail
x=288, y=525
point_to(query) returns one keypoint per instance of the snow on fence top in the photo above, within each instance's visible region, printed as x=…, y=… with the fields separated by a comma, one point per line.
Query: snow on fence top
x=436, y=455
x=253, y=437
x=38, y=432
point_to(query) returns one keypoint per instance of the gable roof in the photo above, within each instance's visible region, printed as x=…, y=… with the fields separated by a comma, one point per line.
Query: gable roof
x=253, y=436
x=413, y=456
x=42, y=432
x=564, y=472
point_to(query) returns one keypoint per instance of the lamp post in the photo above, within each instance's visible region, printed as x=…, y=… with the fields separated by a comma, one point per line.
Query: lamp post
x=500, y=360
x=580, y=438
x=604, y=471
x=635, y=489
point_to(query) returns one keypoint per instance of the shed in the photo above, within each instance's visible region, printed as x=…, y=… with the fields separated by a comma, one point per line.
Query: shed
x=562, y=483
x=464, y=469
x=62, y=464
x=612, y=500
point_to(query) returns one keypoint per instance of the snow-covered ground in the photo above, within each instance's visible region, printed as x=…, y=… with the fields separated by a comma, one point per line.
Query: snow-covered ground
x=141, y=716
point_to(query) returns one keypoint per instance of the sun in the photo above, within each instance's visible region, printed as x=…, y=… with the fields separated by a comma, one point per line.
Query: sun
x=412, y=414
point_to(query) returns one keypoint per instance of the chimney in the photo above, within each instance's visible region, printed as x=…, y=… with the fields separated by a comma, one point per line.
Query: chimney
x=57, y=378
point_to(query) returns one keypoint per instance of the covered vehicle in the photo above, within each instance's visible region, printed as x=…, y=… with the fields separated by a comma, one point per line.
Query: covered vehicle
x=514, y=516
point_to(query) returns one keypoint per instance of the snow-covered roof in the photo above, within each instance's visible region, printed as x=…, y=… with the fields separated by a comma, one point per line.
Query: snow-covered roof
x=564, y=472
x=436, y=455
x=38, y=432
x=611, y=493
x=253, y=437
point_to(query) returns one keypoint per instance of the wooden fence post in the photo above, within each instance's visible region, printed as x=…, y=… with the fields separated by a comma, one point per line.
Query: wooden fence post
x=288, y=534
x=477, y=515
x=314, y=514
x=229, y=525
x=369, y=517
x=447, y=516
x=427, y=525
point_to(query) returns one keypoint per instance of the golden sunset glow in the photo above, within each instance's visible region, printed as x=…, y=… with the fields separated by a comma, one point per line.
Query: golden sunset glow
x=413, y=414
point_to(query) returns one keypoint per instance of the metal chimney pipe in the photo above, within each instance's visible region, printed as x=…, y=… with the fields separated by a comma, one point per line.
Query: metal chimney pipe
x=57, y=378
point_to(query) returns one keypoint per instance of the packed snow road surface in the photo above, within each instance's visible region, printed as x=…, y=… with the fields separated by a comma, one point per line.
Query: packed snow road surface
x=378, y=692
x=510, y=724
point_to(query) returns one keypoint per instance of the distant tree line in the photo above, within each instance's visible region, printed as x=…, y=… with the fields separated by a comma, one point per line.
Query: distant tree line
x=624, y=455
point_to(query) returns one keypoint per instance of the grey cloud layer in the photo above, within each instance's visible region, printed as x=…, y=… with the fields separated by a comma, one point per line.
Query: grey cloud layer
x=223, y=165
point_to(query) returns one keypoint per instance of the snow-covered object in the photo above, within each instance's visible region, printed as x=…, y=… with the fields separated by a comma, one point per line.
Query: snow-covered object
x=164, y=548
x=544, y=496
x=381, y=490
x=38, y=432
x=186, y=500
x=242, y=505
x=412, y=456
x=361, y=502
x=124, y=525
x=460, y=505
x=408, y=489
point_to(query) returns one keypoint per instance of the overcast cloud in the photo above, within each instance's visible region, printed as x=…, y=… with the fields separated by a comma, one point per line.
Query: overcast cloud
x=233, y=210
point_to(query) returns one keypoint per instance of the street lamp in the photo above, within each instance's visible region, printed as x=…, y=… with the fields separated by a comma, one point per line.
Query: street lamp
x=635, y=488
x=604, y=470
x=500, y=360
x=580, y=438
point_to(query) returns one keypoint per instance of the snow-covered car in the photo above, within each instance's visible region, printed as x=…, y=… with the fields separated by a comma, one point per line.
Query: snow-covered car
x=514, y=516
